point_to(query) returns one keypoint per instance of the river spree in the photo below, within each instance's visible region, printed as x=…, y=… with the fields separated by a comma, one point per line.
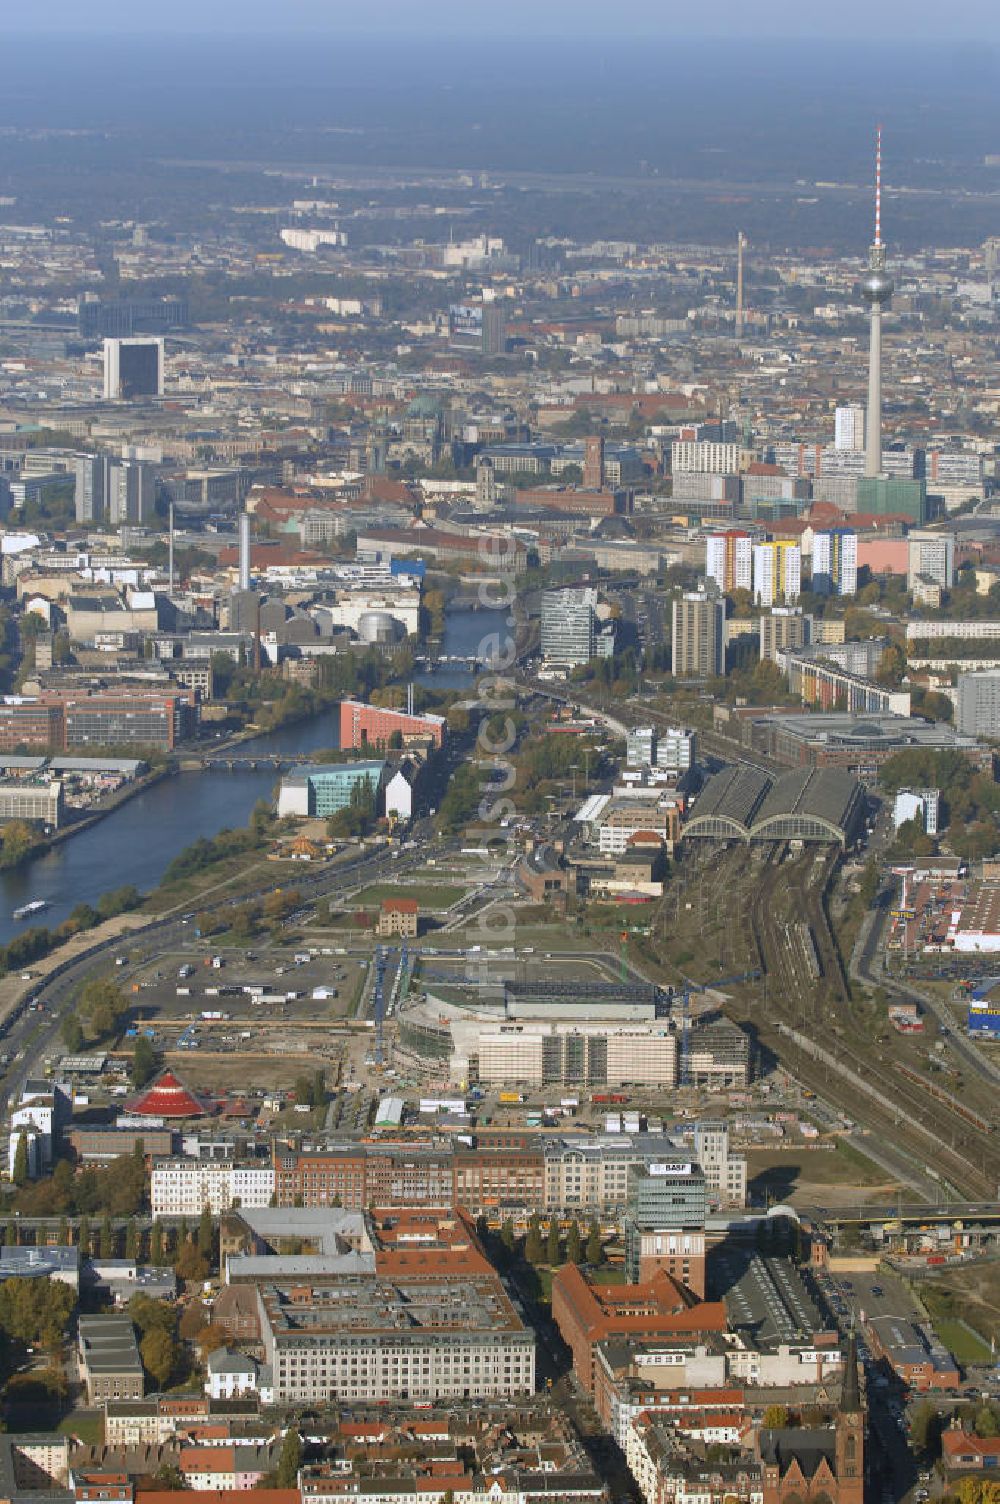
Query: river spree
x=137, y=842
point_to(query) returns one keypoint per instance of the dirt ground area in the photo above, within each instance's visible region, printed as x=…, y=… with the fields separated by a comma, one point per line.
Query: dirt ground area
x=829, y=1176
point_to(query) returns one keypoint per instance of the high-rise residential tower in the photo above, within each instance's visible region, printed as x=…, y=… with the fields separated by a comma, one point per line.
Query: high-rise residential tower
x=835, y=562
x=729, y=560
x=699, y=635
x=777, y=572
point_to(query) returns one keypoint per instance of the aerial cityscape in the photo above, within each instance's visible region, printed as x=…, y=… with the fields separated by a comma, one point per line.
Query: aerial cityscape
x=499, y=751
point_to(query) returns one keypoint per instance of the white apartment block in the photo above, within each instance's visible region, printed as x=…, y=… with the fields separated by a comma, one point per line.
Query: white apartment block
x=835, y=562
x=676, y=749
x=702, y=457
x=931, y=556
x=849, y=428
x=983, y=630
x=183, y=1187
x=311, y=240
x=777, y=573
x=729, y=560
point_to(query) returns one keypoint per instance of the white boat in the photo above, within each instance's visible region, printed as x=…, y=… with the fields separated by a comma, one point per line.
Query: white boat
x=36, y=906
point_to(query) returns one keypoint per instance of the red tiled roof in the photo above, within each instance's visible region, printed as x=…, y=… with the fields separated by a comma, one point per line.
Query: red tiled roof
x=220, y=1496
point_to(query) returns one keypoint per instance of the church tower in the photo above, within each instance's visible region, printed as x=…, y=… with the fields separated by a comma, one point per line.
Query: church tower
x=850, y=1430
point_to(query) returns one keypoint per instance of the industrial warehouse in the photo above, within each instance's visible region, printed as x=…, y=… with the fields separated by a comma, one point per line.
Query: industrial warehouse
x=744, y=804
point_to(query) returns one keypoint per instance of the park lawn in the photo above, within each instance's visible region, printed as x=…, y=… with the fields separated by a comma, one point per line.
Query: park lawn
x=428, y=895
x=966, y=1292
x=88, y=1425
x=966, y=1346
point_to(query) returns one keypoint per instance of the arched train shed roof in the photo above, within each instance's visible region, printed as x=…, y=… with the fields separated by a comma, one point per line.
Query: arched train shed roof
x=742, y=803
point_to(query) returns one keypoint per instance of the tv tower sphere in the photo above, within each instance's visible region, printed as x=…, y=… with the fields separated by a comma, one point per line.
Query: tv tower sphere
x=877, y=285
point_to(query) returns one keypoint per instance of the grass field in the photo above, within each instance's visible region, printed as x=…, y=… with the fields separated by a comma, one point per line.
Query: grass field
x=966, y=1346
x=428, y=895
x=87, y=1424
x=969, y=1293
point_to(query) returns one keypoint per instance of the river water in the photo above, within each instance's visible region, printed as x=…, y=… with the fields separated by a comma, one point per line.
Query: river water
x=137, y=842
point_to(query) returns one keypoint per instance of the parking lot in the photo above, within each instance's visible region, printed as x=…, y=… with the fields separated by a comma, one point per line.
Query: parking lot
x=248, y=985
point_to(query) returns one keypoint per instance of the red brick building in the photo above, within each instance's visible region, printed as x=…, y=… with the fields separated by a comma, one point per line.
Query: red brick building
x=587, y=1314
x=819, y=1464
x=374, y=725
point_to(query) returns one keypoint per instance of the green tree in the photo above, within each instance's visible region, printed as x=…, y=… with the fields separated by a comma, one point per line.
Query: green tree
x=35, y=1311
x=290, y=1460
x=107, y=1238
x=83, y=1238
x=143, y=1060
x=189, y=1264
x=534, y=1250
x=72, y=1033
x=574, y=1245
x=132, y=1239
x=169, y=1478
x=871, y=877
x=17, y=838
x=552, y=1243
x=926, y=1425
x=156, y=1244
x=206, y=1240
x=507, y=1235
x=988, y=1421
x=159, y=1356
x=595, y=1248
x=19, y=1173
x=775, y=1417
x=210, y=1338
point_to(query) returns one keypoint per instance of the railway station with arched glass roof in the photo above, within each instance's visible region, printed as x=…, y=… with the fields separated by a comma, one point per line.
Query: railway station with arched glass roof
x=743, y=803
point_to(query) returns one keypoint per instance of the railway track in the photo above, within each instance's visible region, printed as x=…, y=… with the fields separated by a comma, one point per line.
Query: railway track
x=774, y=903
x=932, y=1125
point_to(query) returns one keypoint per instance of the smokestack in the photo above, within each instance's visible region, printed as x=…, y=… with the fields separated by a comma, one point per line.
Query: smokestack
x=409, y=699
x=170, y=563
x=740, y=244
x=244, y=581
x=256, y=638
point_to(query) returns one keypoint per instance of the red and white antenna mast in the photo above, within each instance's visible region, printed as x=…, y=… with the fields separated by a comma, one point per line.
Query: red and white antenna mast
x=878, y=185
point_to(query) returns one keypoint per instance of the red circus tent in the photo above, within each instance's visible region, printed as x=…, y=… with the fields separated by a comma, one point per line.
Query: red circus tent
x=168, y=1097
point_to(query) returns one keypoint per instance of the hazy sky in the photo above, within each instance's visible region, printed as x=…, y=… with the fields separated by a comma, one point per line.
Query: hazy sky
x=903, y=19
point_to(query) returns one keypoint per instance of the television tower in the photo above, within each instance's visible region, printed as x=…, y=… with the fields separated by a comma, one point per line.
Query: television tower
x=877, y=288
x=740, y=248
